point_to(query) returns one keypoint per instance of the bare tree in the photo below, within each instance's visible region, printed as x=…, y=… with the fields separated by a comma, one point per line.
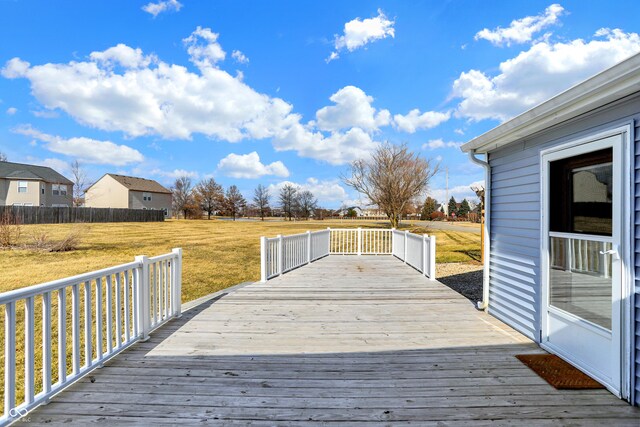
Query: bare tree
x=209, y=195
x=262, y=198
x=391, y=178
x=306, y=203
x=234, y=201
x=80, y=183
x=287, y=197
x=182, y=195
x=3, y=157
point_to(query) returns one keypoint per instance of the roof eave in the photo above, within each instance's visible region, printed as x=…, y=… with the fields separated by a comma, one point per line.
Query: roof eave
x=608, y=86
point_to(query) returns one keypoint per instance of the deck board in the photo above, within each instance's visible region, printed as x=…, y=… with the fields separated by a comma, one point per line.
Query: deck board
x=345, y=340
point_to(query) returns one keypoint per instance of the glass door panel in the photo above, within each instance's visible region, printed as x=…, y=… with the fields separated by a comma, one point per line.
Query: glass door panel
x=580, y=279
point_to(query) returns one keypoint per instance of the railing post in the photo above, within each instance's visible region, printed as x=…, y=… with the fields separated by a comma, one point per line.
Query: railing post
x=308, y=247
x=280, y=255
x=406, y=239
x=393, y=239
x=329, y=241
x=176, y=297
x=432, y=257
x=425, y=254
x=263, y=259
x=359, y=241
x=143, y=311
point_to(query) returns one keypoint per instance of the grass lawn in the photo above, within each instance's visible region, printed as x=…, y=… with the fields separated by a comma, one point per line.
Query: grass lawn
x=217, y=254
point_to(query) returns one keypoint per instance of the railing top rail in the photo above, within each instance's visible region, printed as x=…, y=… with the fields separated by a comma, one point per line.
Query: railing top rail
x=363, y=229
x=164, y=257
x=31, y=291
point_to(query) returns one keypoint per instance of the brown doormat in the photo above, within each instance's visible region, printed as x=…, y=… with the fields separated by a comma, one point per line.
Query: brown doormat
x=558, y=373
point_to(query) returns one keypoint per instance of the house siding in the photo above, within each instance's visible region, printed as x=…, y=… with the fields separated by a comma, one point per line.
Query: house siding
x=515, y=273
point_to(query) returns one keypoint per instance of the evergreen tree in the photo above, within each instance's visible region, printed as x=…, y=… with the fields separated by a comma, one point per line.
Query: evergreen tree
x=464, y=208
x=430, y=206
x=453, y=206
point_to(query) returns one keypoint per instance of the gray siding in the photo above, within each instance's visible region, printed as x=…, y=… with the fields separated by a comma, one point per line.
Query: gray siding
x=514, y=292
x=636, y=356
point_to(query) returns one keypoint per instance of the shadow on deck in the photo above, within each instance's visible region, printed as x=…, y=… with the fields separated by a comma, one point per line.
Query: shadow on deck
x=344, y=340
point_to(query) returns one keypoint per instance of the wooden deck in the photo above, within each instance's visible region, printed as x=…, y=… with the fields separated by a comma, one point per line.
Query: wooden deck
x=345, y=340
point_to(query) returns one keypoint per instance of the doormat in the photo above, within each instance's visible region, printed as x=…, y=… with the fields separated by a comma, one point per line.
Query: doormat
x=558, y=373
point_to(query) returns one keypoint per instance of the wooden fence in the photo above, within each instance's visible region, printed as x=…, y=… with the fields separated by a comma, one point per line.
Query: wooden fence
x=61, y=215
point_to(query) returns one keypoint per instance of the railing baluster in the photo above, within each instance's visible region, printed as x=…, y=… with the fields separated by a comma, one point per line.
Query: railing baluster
x=166, y=289
x=29, y=351
x=154, y=293
x=46, y=342
x=109, y=314
x=118, y=311
x=9, y=356
x=75, y=327
x=62, y=335
x=88, y=336
x=99, y=318
x=127, y=324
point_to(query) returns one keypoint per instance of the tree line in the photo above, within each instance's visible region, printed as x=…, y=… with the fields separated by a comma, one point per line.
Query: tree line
x=210, y=198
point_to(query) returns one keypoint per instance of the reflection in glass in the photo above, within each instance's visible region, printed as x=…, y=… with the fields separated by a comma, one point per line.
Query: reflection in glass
x=592, y=195
x=580, y=279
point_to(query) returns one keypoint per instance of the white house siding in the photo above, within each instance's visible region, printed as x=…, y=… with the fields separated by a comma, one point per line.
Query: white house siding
x=514, y=295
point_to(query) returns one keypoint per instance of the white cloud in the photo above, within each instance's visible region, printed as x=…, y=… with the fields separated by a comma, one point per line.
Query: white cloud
x=353, y=109
x=173, y=174
x=162, y=6
x=45, y=114
x=85, y=149
x=160, y=99
x=124, y=89
x=522, y=30
x=11, y=111
x=239, y=57
x=15, y=68
x=123, y=55
x=328, y=192
x=203, y=47
x=415, y=120
x=439, y=143
x=539, y=73
x=458, y=192
x=459, y=131
x=358, y=33
x=337, y=149
x=249, y=166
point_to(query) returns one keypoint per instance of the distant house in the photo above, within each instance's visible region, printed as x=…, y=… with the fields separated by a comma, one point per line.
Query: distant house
x=119, y=191
x=31, y=185
x=562, y=232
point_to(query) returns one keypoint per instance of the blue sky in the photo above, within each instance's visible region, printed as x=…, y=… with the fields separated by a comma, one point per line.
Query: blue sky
x=252, y=92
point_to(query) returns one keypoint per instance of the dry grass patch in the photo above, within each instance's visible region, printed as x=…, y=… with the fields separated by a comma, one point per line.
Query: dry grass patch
x=217, y=254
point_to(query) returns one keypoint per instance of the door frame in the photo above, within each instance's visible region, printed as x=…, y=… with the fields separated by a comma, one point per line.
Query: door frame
x=625, y=213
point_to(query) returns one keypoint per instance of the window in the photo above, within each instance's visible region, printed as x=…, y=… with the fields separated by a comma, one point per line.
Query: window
x=581, y=194
x=42, y=189
x=146, y=197
x=59, y=189
x=22, y=186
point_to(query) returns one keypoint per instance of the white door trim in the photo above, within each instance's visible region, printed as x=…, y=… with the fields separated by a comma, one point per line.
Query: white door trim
x=625, y=213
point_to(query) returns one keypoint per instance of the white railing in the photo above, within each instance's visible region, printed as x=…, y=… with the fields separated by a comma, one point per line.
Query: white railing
x=106, y=311
x=281, y=254
x=418, y=251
